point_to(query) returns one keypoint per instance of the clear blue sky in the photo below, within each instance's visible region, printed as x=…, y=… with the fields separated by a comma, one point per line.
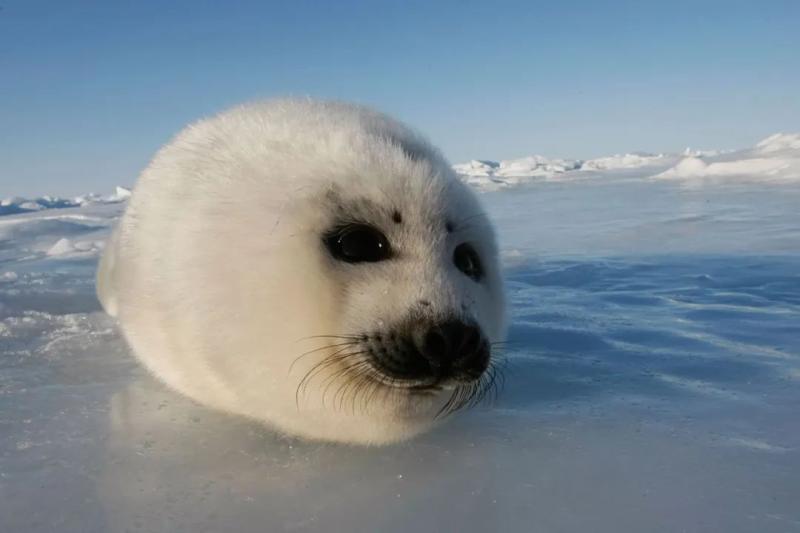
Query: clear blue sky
x=89, y=90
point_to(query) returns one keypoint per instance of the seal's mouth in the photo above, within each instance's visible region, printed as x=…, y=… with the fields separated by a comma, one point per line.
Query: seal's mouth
x=441, y=380
x=424, y=355
x=446, y=363
x=455, y=393
x=449, y=359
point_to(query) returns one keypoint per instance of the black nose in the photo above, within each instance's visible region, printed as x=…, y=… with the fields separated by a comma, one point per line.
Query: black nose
x=453, y=345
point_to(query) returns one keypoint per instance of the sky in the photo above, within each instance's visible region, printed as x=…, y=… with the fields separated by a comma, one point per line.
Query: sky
x=90, y=90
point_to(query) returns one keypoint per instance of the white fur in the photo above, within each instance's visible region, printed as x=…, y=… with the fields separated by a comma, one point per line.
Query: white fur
x=220, y=282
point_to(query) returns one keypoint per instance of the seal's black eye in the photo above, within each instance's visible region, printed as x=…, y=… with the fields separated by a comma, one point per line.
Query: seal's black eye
x=357, y=243
x=467, y=261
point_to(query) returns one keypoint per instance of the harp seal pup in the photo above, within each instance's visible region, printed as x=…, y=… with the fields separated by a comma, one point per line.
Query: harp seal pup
x=313, y=265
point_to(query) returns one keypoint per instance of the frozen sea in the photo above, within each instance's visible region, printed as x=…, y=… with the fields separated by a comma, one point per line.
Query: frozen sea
x=652, y=384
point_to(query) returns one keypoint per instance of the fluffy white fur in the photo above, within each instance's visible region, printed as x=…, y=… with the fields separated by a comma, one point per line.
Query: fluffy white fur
x=220, y=281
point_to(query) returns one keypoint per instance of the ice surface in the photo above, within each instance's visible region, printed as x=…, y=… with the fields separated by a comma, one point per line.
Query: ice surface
x=652, y=384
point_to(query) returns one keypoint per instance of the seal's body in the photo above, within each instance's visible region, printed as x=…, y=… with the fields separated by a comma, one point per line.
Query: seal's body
x=313, y=265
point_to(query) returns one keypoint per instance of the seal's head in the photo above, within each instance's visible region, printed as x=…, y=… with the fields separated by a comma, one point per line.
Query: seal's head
x=314, y=265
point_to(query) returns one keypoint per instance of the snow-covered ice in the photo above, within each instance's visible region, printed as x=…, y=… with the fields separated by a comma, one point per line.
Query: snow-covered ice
x=775, y=159
x=492, y=174
x=14, y=205
x=652, y=377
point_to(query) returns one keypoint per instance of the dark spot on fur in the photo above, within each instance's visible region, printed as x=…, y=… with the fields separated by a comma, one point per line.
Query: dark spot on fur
x=397, y=217
x=449, y=226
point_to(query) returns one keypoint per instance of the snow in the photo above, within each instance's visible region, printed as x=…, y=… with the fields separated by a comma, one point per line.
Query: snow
x=16, y=205
x=652, y=377
x=775, y=159
x=779, y=142
x=693, y=167
x=61, y=247
x=616, y=162
x=10, y=206
x=120, y=194
x=65, y=246
x=491, y=175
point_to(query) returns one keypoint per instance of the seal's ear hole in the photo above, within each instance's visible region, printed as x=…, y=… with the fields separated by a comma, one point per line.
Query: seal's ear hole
x=357, y=243
x=467, y=261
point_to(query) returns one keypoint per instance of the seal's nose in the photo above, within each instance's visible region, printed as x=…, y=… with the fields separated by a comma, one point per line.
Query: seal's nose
x=452, y=345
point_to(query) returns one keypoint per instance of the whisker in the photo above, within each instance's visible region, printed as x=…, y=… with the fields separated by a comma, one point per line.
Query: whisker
x=334, y=360
x=329, y=346
x=341, y=392
x=349, y=379
x=351, y=337
x=320, y=366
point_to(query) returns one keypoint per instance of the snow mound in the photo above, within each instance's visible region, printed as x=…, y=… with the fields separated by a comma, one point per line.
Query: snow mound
x=693, y=167
x=620, y=161
x=121, y=193
x=779, y=142
x=62, y=247
x=693, y=152
x=492, y=175
x=476, y=167
x=12, y=206
x=535, y=166
x=17, y=205
x=775, y=159
x=480, y=174
x=65, y=246
x=688, y=167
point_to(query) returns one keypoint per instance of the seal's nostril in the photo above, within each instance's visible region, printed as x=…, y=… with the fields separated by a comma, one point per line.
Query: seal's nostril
x=447, y=343
x=435, y=346
x=470, y=340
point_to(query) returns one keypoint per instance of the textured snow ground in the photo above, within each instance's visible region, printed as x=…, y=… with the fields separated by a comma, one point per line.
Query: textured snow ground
x=652, y=384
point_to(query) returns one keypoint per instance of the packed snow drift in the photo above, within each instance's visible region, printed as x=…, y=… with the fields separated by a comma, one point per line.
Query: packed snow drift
x=652, y=374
